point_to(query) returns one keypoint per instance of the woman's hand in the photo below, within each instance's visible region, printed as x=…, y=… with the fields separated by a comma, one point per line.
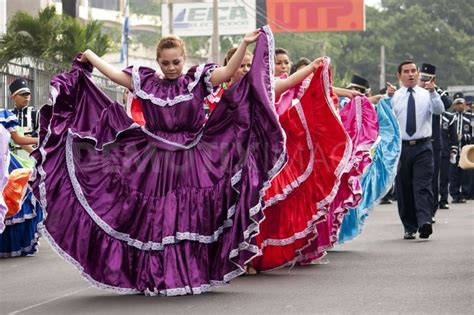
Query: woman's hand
x=251, y=37
x=317, y=62
x=375, y=99
x=84, y=56
x=354, y=93
x=346, y=92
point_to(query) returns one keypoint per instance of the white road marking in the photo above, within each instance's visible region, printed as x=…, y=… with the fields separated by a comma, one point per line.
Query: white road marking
x=47, y=301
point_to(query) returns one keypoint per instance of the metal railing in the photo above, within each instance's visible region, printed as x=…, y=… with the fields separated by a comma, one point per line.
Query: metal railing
x=38, y=74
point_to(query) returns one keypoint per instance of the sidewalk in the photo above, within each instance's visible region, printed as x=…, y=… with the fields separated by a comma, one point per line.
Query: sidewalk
x=377, y=273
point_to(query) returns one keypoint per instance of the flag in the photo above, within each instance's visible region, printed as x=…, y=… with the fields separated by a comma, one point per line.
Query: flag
x=124, y=50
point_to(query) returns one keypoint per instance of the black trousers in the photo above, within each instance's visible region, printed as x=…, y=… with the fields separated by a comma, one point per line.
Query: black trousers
x=444, y=179
x=435, y=179
x=471, y=183
x=459, y=182
x=413, y=184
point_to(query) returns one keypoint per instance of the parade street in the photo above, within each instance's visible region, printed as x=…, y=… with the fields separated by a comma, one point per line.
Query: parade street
x=377, y=273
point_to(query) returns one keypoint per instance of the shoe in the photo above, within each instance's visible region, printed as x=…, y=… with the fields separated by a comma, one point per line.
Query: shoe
x=409, y=236
x=425, y=230
x=443, y=205
x=459, y=200
x=433, y=220
x=250, y=270
x=386, y=202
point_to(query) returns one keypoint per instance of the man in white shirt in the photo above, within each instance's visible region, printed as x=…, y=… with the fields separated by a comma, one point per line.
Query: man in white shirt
x=414, y=106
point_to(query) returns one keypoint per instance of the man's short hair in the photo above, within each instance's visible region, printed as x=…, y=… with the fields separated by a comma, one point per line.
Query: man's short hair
x=406, y=62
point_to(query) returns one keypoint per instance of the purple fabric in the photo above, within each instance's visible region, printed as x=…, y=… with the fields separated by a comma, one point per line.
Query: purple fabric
x=171, y=208
x=4, y=154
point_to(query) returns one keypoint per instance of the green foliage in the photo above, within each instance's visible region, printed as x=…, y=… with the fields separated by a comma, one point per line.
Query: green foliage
x=51, y=37
x=74, y=37
x=27, y=35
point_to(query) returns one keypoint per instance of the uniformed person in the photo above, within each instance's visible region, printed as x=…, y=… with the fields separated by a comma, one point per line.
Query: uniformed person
x=459, y=181
x=470, y=112
x=413, y=106
x=447, y=133
x=27, y=115
x=428, y=74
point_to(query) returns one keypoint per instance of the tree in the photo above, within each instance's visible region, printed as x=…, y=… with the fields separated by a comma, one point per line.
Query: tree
x=28, y=35
x=50, y=37
x=74, y=37
x=457, y=13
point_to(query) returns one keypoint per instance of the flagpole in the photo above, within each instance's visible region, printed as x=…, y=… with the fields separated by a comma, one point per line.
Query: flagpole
x=125, y=30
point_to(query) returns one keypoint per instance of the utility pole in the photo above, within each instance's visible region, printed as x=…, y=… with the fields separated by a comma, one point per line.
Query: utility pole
x=382, y=67
x=3, y=17
x=215, y=32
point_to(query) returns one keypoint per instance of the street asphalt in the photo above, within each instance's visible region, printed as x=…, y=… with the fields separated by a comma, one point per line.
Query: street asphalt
x=378, y=273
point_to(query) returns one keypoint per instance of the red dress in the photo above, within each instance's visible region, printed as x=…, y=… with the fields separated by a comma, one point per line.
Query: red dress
x=318, y=148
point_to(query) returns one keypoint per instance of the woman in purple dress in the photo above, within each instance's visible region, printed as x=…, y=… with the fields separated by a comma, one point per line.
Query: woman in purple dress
x=172, y=207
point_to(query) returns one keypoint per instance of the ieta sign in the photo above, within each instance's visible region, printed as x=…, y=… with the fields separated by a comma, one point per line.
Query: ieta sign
x=195, y=19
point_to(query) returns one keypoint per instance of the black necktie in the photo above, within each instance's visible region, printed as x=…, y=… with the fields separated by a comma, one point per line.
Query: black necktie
x=411, y=114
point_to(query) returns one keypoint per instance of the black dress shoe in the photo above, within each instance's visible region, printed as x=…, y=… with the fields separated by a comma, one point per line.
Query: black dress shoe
x=409, y=236
x=459, y=200
x=386, y=202
x=425, y=230
x=443, y=205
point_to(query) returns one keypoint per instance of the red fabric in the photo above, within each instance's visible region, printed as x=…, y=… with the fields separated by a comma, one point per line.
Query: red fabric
x=213, y=99
x=290, y=224
x=137, y=112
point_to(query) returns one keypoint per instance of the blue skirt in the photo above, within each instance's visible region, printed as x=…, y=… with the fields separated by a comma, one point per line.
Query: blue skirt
x=21, y=234
x=379, y=176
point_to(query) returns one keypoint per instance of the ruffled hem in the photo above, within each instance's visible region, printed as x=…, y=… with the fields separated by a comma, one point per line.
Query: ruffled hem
x=25, y=251
x=382, y=170
x=12, y=238
x=300, y=228
x=234, y=240
x=362, y=126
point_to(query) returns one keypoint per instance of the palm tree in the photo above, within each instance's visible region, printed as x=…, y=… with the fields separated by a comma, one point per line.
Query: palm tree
x=75, y=37
x=51, y=37
x=29, y=36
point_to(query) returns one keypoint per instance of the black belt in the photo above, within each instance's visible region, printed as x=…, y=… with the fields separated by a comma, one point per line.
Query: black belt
x=416, y=141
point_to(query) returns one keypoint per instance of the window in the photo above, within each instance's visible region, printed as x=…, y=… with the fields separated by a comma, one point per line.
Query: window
x=113, y=5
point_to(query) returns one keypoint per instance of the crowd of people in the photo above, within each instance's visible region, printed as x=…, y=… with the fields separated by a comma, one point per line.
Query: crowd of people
x=218, y=171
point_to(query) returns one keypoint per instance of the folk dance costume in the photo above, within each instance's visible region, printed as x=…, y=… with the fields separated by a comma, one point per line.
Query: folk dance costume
x=169, y=208
x=318, y=150
x=4, y=161
x=360, y=121
x=380, y=174
x=21, y=222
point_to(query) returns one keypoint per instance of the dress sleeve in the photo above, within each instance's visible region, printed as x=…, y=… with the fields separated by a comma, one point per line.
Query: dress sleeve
x=9, y=120
x=202, y=74
x=142, y=78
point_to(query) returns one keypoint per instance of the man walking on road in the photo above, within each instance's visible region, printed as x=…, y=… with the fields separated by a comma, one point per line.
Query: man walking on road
x=414, y=106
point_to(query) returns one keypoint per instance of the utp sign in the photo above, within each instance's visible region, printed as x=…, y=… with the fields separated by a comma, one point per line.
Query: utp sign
x=316, y=15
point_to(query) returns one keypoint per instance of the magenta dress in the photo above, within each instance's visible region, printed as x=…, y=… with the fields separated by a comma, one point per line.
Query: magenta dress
x=172, y=207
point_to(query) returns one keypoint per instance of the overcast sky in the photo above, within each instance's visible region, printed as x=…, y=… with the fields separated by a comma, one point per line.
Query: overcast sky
x=372, y=2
